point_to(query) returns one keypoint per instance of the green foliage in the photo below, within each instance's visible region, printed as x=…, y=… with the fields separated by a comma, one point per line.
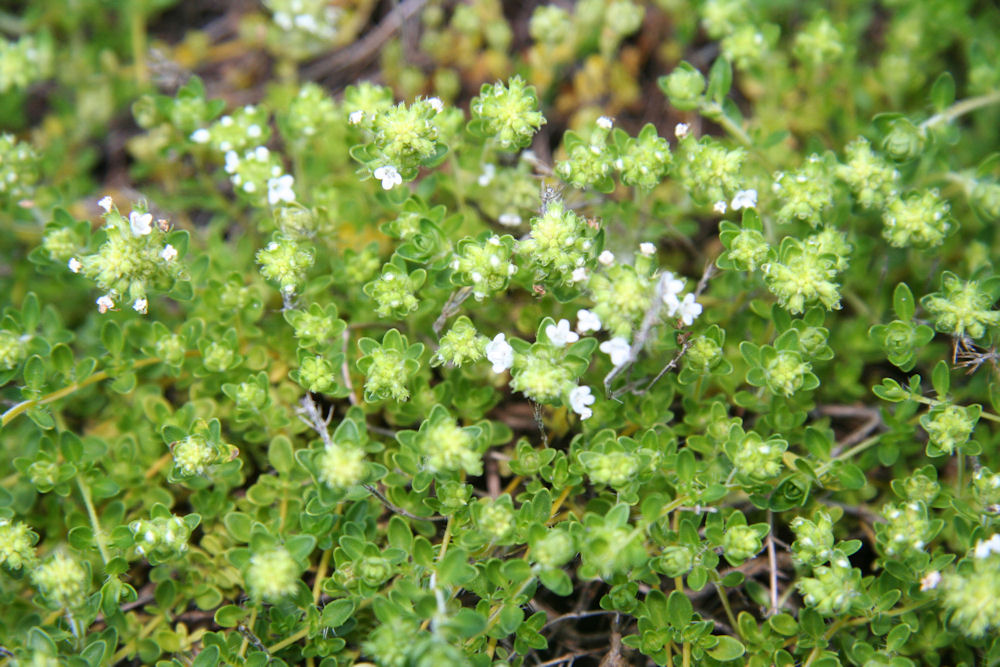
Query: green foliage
x=704, y=405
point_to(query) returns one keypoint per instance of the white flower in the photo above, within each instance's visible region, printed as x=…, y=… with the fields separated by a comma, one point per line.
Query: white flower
x=169, y=253
x=261, y=153
x=74, y=265
x=579, y=274
x=986, y=547
x=280, y=189
x=201, y=136
x=509, y=219
x=745, y=199
x=720, y=207
x=356, y=117
x=605, y=122
x=579, y=399
x=559, y=334
x=670, y=287
x=254, y=131
x=647, y=249
x=140, y=306
x=104, y=303
x=500, y=353
x=232, y=162
x=106, y=203
x=389, y=176
x=606, y=258
x=141, y=223
x=436, y=104
x=618, y=349
x=930, y=581
x=587, y=321
x=681, y=130
x=689, y=309
x=489, y=171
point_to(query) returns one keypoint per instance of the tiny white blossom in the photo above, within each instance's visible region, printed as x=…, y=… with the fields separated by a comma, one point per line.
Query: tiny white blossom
x=587, y=321
x=500, y=353
x=986, y=547
x=560, y=334
x=670, y=286
x=389, y=176
x=280, y=189
x=579, y=275
x=618, y=349
x=261, y=153
x=647, y=249
x=74, y=265
x=232, y=162
x=745, y=199
x=606, y=258
x=489, y=171
x=169, y=253
x=930, y=581
x=141, y=223
x=201, y=136
x=105, y=303
x=509, y=219
x=436, y=104
x=106, y=203
x=681, y=130
x=720, y=207
x=140, y=306
x=605, y=122
x=689, y=309
x=254, y=131
x=579, y=399
x=356, y=117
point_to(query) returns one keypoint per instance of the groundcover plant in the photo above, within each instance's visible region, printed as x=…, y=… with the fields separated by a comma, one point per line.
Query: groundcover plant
x=430, y=333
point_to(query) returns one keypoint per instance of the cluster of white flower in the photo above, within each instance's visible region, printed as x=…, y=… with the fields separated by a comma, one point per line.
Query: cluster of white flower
x=686, y=308
x=315, y=17
x=256, y=169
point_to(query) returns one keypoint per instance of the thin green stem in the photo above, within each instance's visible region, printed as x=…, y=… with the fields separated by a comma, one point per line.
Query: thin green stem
x=856, y=449
x=137, y=28
x=289, y=640
x=961, y=108
x=94, y=523
x=24, y=406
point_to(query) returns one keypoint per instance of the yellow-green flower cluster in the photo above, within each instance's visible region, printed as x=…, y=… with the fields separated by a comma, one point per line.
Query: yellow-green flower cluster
x=485, y=265
x=873, y=180
x=961, y=308
x=919, y=219
x=800, y=275
x=17, y=542
x=447, y=447
x=508, y=114
x=18, y=168
x=341, y=466
x=272, y=574
x=805, y=193
x=560, y=243
x=62, y=580
x=813, y=543
x=285, y=262
x=907, y=528
x=461, y=344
